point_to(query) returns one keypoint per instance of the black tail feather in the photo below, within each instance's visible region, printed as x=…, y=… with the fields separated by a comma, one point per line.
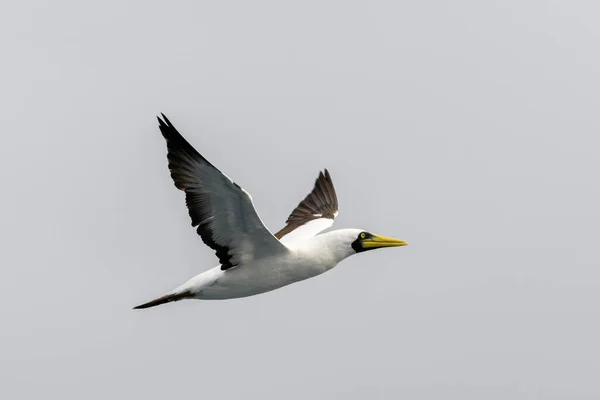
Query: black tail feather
x=165, y=299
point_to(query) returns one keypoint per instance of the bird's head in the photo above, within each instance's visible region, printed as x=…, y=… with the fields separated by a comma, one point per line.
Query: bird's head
x=343, y=243
x=363, y=241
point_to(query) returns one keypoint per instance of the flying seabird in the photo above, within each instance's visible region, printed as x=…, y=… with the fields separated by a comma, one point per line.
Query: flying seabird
x=252, y=259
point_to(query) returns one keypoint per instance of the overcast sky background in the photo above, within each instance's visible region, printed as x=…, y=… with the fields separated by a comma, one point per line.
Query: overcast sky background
x=467, y=128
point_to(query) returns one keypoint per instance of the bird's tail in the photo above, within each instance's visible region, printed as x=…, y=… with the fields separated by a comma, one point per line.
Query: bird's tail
x=167, y=298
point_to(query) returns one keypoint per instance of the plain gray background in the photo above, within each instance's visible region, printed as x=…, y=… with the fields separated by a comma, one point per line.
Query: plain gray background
x=467, y=128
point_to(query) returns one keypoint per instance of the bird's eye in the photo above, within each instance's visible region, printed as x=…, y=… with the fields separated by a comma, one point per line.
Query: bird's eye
x=362, y=235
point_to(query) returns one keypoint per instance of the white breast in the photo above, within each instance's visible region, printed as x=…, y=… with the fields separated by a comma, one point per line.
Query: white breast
x=306, y=259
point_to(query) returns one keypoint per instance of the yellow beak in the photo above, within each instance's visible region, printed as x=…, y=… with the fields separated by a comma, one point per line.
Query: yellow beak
x=376, y=241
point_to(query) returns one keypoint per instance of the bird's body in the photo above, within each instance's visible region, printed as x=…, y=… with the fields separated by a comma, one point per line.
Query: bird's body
x=306, y=259
x=252, y=259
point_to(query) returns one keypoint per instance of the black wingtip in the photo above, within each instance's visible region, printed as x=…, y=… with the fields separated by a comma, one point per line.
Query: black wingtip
x=164, y=121
x=324, y=176
x=169, y=124
x=167, y=129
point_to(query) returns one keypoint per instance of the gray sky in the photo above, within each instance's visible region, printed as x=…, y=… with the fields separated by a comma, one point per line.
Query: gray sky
x=467, y=128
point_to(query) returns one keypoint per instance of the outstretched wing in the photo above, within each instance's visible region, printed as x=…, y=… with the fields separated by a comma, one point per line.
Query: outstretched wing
x=223, y=212
x=315, y=213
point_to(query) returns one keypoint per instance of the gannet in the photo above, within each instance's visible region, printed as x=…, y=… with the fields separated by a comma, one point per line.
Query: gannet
x=252, y=260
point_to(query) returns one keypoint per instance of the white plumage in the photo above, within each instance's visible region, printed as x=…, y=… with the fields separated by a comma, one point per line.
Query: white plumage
x=252, y=259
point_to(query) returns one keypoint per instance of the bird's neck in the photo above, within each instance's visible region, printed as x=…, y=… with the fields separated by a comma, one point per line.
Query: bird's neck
x=334, y=245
